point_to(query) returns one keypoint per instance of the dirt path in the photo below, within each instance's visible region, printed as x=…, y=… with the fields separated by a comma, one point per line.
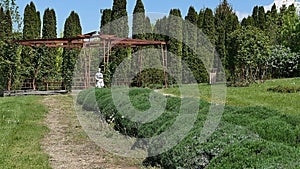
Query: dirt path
x=67, y=144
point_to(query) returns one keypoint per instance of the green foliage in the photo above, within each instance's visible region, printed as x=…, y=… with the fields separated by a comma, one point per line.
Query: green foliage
x=12, y=7
x=208, y=26
x=8, y=55
x=120, y=27
x=105, y=21
x=283, y=62
x=119, y=18
x=257, y=154
x=175, y=28
x=190, y=47
x=249, y=54
x=272, y=28
x=246, y=137
x=49, y=69
x=290, y=21
x=30, y=58
x=151, y=78
x=72, y=28
x=139, y=18
x=261, y=18
x=247, y=21
x=254, y=95
x=226, y=21
x=285, y=89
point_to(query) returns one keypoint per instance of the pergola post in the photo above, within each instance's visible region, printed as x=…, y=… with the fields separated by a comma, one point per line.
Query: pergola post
x=165, y=62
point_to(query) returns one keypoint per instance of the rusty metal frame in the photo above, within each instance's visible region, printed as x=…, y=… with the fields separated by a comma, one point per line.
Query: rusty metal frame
x=106, y=42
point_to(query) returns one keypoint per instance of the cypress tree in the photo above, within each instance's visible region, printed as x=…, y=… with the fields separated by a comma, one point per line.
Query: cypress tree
x=175, y=28
x=8, y=25
x=200, y=19
x=31, y=21
x=72, y=28
x=175, y=32
x=119, y=12
x=30, y=58
x=208, y=27
x=271, y=27
x=10, y=53
x=2, y=61
x=161, y=29
x=255, y=15
x=49, y=69
x=191, y=38
x=226, y=21
x=261, y=18
x=118, y=27
x=274, y=12
x=148, y=29
x=138, y=25
x=190, y=33
x=105, y=21
x=247, y=21
x=2, y=23
x=8, y=56
x=191, y=18
x=200, y=73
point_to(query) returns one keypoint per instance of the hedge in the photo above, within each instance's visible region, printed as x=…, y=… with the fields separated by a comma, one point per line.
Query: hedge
x=247, y=137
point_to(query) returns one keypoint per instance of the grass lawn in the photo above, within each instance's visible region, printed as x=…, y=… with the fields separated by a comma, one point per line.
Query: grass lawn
x=21, y=131
x=255, y=95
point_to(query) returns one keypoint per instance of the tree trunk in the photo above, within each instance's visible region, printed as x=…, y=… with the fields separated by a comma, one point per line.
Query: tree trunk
x=9, y=81
x=33, y=84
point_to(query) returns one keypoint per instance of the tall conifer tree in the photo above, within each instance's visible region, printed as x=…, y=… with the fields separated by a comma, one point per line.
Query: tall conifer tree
x=138, y=25
x=208, y=27
x=119, y=12
x=175, y=28
x=49, y=69
x=72, y=28
x=261, y=18
x=105, y=21
x=30, y=58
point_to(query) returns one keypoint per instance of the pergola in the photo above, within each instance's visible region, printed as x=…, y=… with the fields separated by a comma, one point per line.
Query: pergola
x=98, y=40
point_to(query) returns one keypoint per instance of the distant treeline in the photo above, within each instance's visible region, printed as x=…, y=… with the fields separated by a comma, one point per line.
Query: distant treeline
x=262, y=46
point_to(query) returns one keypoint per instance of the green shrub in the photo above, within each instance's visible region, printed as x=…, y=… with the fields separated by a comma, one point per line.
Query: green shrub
x=285, y=89
x=82, y=95
x=257, y=154
x=247, y=115
x=277, y=130
x=245, y=138
x=89, y=102
x=192, y=152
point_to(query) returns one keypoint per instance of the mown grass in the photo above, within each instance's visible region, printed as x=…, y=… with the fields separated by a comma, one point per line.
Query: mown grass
x=21, y=131
x=254, y=95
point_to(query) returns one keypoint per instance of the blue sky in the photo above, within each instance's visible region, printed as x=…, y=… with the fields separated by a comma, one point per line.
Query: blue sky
x=88, y=10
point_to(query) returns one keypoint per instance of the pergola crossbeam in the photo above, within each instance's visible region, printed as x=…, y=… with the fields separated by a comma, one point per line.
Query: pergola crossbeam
x=96, y=40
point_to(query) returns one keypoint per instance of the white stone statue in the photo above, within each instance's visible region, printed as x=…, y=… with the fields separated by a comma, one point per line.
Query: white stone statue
x=99, y=79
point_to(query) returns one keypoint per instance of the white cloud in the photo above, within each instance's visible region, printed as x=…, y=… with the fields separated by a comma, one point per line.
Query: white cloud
x=242, y=15
x=280, y=3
